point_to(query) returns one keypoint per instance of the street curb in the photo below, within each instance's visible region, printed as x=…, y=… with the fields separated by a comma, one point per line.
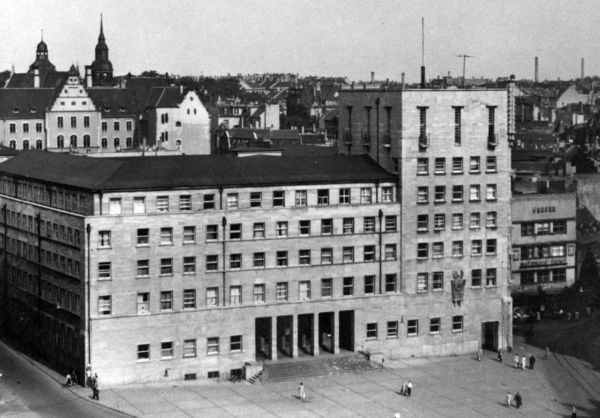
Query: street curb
x=44, y=369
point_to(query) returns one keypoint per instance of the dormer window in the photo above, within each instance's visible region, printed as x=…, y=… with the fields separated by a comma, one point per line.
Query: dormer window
x=121, y=109
x=177, y=123
x=16, y=110
x=107, y=109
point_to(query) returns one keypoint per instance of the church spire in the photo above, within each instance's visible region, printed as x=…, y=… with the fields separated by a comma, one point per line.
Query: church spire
x=101, y=37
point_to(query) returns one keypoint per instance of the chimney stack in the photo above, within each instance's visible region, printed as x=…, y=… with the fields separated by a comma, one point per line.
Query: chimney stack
x=372, y=76
x=537, y=69
x=403, y=81
x=88, y=76
x=36, y=77
x=582, y=69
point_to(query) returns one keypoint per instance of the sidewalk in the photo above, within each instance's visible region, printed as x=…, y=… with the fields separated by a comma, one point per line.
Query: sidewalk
x=448, y=387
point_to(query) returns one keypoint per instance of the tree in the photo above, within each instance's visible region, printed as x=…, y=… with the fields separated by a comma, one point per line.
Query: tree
x=588, y=282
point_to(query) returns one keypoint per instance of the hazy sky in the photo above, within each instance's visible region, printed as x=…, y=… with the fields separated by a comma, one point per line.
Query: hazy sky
x=338, y=37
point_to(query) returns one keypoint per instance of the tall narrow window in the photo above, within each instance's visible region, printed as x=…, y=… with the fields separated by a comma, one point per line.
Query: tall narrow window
x=423, y=140
x=348, y=133
x=366, y=135
x=491, y=126
x=457, y=124
x=388, y=128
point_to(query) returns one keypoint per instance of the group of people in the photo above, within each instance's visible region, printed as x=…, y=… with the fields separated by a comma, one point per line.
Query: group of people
x=91, y=381
x=71, y=379
x=517, y=398
x=406, y=389
x=521, y=362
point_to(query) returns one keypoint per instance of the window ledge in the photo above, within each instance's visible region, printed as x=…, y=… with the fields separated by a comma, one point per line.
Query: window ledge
x=144, y=360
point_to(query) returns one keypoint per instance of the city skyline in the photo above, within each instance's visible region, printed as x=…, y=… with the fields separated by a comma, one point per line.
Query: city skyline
x=329, y=39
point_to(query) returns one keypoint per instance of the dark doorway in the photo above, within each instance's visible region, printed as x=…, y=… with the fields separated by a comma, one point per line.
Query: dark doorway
x=489, y=331
x=262, y=331
x=347, y=330
x=326, y=331
x=305, y=334
x=285, y=329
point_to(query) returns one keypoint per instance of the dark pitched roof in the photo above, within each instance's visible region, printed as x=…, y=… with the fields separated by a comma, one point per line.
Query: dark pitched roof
x=248, y=133
x=113, y=102
x=185, y=171
x=165, y=97
x=25, y=103
x=585, y=217
x=141, y=88
x=290, y=135
x=48, y=79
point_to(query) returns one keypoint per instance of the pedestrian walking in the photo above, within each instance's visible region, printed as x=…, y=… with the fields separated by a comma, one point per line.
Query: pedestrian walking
x=479, y=354
x=88, y=376
x=500, y=355
x=404, y=388
x=523, y=362
x=518, y=400
x=531, y=362
x=74, y=377
x=573, y=412
x=301, y=392
x=547, y=352
x=516, y=361
x=409, y=387
x=508, y=399
x=95, y=387
x=68, y=380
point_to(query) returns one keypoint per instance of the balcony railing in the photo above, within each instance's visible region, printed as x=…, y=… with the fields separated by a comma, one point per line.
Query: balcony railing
x=492, y=140
x=423, y=141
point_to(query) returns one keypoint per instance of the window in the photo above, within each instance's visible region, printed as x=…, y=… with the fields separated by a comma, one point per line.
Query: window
x=392, y=329
x=304, y=290
x=212, y=232
x=326, y=226
x=282, y=258
x=39, y=143
x=490, y=164
x=457, y=165
x=258, y=230
x=162, y=203
x=209, y=201
x=474, y=165
x=457, y=323
x=103, y=143
x=437, y=249
x=166, y=236
x=474, y=220
x=166, y=350
x=143, y=303
x=387, y=194
x=189, y=234
x=116, y=125
x=412, y=327
x=422, y=166
x=166, y=266
x=326, y=255
x=104, y=239
x=259, y=293
x=281, y=291
x=59, y=123
x=282, y=229
x=474, y=192
x=235, y=261
x=60, y=142
x=139, y=205
x=278, y=198
x=212, y=296
x=439, y=221
x=369, y=253
x=232, y=200
x=390, y=223
x=457, y=221
x=491, y=220
x=422, y=223
x=235, y=231
x=457, y=248
x=322, y=197
x=104, y=305
x=476, y=247
x=235, y=295
x=348, y=286
x=457, y=124
x=326, y=288
x=25, y=128
x=235, y=343
x=437, y=282
x=304, y=227
x=255, y=199
x=457, y=193
x=38, y=127
x=189, y=299
x=422, y=250
x=369, y=285
x=189, y=348
x=422, y=194
x=491, y=125
x=143, y=268
x=557, y=251
x=439, y=195
x=490, y=246
x=348, y=255
x=390, y=251
x=369, y=224
x=366, y=195
x=114, y=206
x=301, y=199
x=345, y=196
x=440, y=166
x=304, y=257
x=212, y=262
x=143, y=352
x=259, y=259
x=422, y=282
x=490, y=192
x=476, y=278
x=189, y=265
x=390, y=283
x=185, y=202
x=372, y=331
x=490, y=277
x=559, y=275
x=104, y=270
x=422, y=125
x=212, y=345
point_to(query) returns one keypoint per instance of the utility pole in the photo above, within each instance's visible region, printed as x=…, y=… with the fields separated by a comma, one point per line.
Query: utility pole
x=464, y=57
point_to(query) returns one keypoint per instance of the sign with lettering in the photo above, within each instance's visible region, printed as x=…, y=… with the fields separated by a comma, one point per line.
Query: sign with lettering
x=544, y=209
x=555, y=261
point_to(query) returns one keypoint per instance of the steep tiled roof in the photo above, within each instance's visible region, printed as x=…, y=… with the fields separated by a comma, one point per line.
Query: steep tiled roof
x=24, y=103
x=165, y=97
x=113, y=102
x=186, y=171
x=141, y=88
x=49, y=79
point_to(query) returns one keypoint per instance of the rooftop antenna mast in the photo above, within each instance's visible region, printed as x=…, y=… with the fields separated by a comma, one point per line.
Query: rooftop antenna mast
x=464, y=57
x=422, y=52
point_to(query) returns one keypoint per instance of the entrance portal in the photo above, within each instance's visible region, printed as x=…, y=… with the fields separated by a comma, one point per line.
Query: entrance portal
x=489, y=335
x=305, y=334
x=346, y=330
x=326, y=331
x=285, y=329
x=262, y=332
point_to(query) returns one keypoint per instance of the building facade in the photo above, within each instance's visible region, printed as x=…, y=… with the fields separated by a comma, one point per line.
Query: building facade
x=544, y=239
x=450, y=150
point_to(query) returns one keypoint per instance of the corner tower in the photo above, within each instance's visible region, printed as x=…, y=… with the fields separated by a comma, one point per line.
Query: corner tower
x=102, y=69
x=41, y=58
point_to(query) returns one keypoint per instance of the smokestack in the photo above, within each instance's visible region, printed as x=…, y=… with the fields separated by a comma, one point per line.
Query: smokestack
x=372, y=76
x=537, y=69
x=422, y=76
x=36, y=77
x=582, y=69
x=422, y=52
x=403, y=84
